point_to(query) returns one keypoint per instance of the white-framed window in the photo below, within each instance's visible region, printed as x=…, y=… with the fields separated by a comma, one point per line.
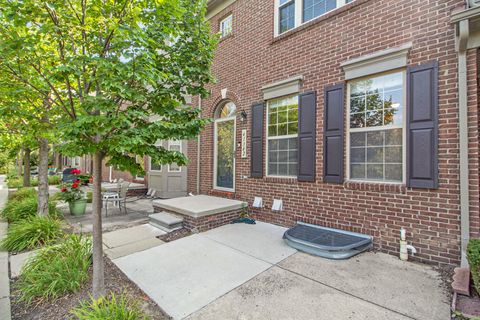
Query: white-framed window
x=174, y=145
x=286, y=13
x=154, y=166
x=226, y=26
x=376, y=128
x=282, y=135
x=290, y=14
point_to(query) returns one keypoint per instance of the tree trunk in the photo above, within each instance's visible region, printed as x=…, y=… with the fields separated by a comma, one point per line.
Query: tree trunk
x=17, y=164
x=58, y=161
x=26, y=167
x=98, y=273
x=43, y=177
x=20, y=162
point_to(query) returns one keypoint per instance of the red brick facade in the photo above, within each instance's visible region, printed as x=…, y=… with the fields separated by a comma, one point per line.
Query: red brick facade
x=252, y=58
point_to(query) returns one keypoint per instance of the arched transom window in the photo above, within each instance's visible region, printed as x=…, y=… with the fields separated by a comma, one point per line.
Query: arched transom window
x=226, y=111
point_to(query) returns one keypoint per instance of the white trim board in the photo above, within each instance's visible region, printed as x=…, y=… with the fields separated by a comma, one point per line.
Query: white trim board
x=377, y=62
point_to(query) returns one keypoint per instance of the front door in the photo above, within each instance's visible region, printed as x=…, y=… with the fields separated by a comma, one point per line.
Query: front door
x=169, y=181
x=224, y=178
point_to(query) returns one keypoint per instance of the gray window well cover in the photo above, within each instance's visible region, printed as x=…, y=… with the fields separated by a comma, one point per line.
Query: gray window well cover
x=327, y=242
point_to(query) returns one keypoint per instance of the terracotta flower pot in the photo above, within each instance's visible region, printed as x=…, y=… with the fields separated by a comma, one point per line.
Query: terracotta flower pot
x=77, y=207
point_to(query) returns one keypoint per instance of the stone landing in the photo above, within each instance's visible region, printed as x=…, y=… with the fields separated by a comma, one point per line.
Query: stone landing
x=201, y=213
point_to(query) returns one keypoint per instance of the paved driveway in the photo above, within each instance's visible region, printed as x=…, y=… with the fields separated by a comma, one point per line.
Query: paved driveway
x=247, y=272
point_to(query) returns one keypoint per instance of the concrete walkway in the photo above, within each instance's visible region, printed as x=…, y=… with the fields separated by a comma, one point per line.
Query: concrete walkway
x=4, y=280
x=247, y=272
x=126, y=241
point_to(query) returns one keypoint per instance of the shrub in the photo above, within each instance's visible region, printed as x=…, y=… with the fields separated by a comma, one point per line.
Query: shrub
x=31, y=233
x=54, y=180
x=56, y=270
x=25, y=208
x=15, y=183
x=109, y=308
x=21, y=194
x=473, y=257
x=13, y=174
x=18, y=210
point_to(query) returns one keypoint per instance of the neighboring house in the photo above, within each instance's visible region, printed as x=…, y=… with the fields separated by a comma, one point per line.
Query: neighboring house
x=359, y=115
x=168, y=180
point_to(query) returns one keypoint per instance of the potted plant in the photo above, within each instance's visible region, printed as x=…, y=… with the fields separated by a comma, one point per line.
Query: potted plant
x=75, y=196
x=244, y=216
x=82, y=179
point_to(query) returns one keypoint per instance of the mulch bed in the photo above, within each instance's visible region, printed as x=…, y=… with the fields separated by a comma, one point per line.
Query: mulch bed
x=175, y=235
x=115, y=281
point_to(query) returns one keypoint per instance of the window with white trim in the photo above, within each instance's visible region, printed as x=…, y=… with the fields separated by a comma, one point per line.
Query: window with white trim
x=315, y=8
x=174, y=145
x=282, y=134
x=293, y=13
x=226, y=26
x=286, y=15
x=376, y=108
x=154, y=166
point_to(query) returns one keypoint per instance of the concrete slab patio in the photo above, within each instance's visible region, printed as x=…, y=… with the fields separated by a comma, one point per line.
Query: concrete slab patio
x=405, y=287
x=247, y=272
x=184, y=275
x=138, y=212
x=199, y=205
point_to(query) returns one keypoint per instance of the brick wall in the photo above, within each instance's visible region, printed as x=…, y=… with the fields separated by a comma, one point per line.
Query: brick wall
x=251, y=58
x=125, y=175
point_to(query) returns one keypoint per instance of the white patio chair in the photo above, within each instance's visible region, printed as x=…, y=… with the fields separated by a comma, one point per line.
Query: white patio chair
x=118, y=198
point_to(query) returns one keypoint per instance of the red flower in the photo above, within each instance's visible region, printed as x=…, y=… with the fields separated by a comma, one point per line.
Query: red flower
x=90, y=179
x=75, y=171
x=75, y=185
x=64, y=189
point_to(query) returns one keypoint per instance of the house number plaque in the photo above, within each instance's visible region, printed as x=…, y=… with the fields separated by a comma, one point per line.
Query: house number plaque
x=244, y=143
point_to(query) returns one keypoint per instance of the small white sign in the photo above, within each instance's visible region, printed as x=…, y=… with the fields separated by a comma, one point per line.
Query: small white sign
x=244, y=143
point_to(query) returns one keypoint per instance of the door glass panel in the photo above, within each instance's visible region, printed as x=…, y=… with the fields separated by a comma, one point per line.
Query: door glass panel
x=225, y=154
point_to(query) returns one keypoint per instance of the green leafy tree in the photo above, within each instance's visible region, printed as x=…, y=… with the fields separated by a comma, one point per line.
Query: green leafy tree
x=31, y=120
x=111, y=68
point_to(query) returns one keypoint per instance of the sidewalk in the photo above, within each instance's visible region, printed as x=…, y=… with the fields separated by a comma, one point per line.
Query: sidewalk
x=4, y=280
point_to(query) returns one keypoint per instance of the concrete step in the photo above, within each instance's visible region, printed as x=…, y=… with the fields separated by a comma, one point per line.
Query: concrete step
x=166, y=221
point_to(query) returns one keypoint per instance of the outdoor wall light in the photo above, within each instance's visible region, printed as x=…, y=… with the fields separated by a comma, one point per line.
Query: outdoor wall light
x=243, y=115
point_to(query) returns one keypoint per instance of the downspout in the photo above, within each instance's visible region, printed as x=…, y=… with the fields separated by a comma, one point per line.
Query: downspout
x=463, y=33
x=198, y=150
